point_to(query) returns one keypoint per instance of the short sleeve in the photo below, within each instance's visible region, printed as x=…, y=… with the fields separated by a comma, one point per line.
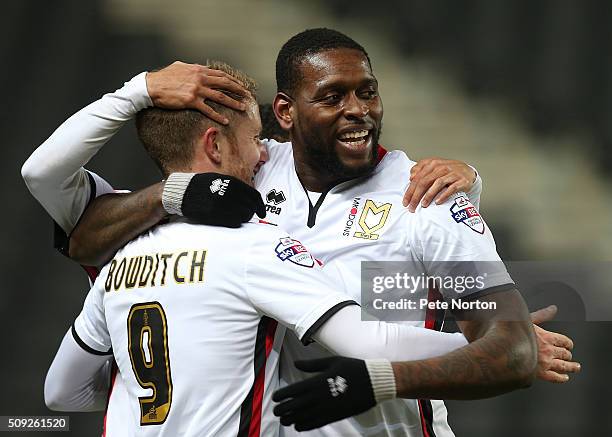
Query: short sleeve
x=89, y=329
x=476, y=190
x=285, y=282
x=453, y=241
x=84, y=192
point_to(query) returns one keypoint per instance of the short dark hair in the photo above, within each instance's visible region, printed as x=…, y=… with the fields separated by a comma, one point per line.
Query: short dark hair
x=168, y=135
x=304, y=44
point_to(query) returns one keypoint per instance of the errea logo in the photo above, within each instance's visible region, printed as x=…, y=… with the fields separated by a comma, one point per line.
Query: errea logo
x=337, y=385
x=219, y=186
x=273, y=199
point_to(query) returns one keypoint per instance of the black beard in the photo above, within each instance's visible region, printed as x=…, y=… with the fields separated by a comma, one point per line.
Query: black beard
x=325, y=161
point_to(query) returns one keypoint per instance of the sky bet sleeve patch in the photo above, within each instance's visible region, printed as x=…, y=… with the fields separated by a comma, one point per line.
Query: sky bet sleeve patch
x=464, y=212
x=292, y=250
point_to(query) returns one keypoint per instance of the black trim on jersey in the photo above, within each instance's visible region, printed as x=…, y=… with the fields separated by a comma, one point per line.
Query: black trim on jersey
x=259, y=361
x=312, y=210
x=306, y=339
x=61, y=241
x=490, y=290
x=427, y=412
x=85, y=347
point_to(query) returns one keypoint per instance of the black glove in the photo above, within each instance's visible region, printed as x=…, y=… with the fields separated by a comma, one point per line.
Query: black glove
x=212, y=199
x=342, y=389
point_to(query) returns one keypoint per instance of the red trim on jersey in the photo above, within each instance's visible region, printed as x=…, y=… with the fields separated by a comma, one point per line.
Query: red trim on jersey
x=114, y=371
x=258, y=385
x=265, y=222
x=92, y=272
x=423, y=423
x=433, y=317
x=250, y=411
x=426, y=414
x=270, y=337
x=381, y=153
x=433, y=320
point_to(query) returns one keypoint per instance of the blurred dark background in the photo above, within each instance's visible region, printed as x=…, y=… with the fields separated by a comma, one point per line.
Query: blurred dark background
x=548, y=58
x=520, y=89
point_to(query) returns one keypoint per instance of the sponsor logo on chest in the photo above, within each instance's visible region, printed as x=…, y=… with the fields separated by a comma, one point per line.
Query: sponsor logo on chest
x=350, y=221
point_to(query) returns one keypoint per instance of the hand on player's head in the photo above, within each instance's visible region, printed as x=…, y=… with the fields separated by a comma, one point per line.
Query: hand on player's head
x=188, y=86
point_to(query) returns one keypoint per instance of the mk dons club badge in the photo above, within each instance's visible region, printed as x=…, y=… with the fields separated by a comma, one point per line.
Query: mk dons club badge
x=464, y=212
x=292, y=250
x=372, y=219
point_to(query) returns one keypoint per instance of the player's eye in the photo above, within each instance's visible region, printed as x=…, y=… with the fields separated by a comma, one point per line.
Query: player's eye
x=332, y=98
x=369, y=93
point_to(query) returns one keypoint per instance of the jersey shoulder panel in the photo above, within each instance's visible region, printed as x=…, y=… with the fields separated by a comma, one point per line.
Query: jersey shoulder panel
x=454, y=237
x=392, y=170
x=454, y=216
x=262, y=234
x=285, y=282
x=396, y=160
x=91, y=187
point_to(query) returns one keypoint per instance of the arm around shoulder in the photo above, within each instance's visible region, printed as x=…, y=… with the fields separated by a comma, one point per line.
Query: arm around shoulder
x=54, y=172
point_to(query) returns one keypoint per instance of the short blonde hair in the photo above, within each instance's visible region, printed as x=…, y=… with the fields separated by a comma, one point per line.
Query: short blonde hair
x=169, y=135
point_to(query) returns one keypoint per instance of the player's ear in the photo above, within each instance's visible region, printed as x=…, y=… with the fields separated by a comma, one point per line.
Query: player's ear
x=283, y=109
x=210, y=145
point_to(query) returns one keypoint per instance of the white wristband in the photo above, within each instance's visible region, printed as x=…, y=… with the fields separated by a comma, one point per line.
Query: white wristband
x=382, y=378
x=174, y=190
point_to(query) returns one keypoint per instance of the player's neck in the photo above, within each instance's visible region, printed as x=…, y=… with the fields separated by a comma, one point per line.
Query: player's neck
x=315, y=180
x=200, y=163
x=231, y=166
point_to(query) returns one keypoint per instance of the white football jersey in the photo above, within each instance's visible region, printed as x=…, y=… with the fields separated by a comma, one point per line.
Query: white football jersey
x=190, y=312
x=352, y=222
x=65, y=189
x=66, y=212
x=364, y=220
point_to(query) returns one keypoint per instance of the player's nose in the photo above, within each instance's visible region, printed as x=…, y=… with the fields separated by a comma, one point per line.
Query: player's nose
x=356, y=107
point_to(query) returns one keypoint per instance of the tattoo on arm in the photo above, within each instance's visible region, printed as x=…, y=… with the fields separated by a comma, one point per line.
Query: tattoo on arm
x=501, y=357
x=112, y=220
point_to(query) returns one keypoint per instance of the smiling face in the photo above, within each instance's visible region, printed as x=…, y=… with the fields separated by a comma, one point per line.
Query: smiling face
x=337, y=114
